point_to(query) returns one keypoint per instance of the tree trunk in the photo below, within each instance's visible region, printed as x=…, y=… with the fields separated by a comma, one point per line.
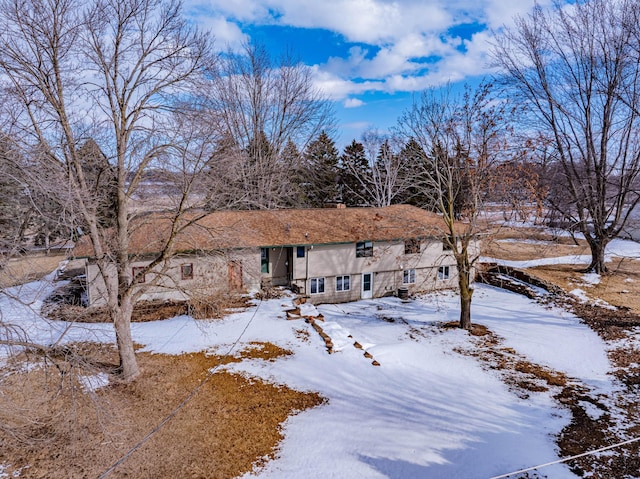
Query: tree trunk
x=121, y=317
x=597, y=246
x=466, y=291
x=465, y=311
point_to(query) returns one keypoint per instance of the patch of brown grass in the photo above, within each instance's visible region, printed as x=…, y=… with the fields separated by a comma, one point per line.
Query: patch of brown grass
x=28, y=268
x=619, y=287
x=523, y=250
x=552, y=378
x=150, y=310
x=255, y=350
x=230, y=425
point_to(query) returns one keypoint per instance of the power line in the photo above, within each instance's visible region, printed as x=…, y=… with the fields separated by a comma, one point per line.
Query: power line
x=179, y=406
x=565, y=459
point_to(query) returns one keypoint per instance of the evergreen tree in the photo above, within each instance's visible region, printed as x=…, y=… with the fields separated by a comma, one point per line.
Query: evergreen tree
x=355, y=175
x=413, y=161
x=291, y=162
x=102, y=178
x=15, y=210
x=322, y=171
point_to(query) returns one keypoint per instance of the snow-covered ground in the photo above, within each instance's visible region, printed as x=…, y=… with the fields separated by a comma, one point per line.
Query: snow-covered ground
x=426, y=411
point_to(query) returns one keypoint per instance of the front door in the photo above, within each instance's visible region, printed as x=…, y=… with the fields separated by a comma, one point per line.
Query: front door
x=235, y=276
x=367, y=285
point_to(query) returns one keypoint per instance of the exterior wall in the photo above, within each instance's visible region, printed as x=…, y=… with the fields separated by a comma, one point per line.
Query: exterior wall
x=211, y=274
x=387, y=265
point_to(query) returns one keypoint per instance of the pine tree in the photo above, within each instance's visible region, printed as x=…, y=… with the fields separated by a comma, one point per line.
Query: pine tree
x=321, y=171
x=102, y=178
x=413, y=161
x=355, y=175
x=291, y=162
x=15, y=210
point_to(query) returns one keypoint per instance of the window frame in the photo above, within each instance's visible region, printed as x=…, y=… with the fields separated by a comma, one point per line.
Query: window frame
x=342, y=278
x=186, y=276
x=409, y=276
x=264, y=260
x=412, y=246
x=444, y=273
x=364, y=249
x=317, y=282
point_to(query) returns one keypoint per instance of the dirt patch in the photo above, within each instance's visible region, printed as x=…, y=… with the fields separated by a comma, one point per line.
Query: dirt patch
x=56, y=428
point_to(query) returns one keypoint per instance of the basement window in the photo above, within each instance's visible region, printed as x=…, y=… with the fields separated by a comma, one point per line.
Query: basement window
x=343, y=283
x=409, y=276
x=443, y=272
x=317, y=285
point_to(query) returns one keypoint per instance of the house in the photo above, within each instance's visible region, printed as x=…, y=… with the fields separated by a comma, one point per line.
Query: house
x=330, y=255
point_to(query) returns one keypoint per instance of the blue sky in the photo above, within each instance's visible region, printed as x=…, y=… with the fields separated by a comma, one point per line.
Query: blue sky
x=368, y=56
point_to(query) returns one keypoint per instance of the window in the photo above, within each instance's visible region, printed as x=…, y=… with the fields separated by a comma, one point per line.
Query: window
x=364, y=249
x=317, y=285
x=264, y=260
x=300, y=251
x=137, y=270
x=343, y=283
x=186, y=270
x=411, y=246
x=409, y=276
x=446, y=244
x=443, y=272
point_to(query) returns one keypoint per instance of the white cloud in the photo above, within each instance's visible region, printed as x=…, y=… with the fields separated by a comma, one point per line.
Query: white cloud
x=227, y=34
x=406, y=45
x=353, y=103
x=501, y=12
x=339, y=88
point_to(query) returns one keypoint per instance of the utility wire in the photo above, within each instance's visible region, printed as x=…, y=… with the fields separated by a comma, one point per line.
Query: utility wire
x=565, y=459
x=179, y=406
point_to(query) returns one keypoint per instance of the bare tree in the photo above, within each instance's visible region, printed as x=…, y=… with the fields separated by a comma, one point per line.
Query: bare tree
x=111, y=70
x=383, y=179
x=575, y=69
x=262, y=104
x=463, y=139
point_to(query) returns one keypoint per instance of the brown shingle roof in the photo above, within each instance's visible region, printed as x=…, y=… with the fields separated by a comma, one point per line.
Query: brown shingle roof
x=288, y=227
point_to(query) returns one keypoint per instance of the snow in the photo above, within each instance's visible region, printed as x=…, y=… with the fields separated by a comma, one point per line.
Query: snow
x=94, y=382
x=426, y=411
x=591, y=278
x=580, y=294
